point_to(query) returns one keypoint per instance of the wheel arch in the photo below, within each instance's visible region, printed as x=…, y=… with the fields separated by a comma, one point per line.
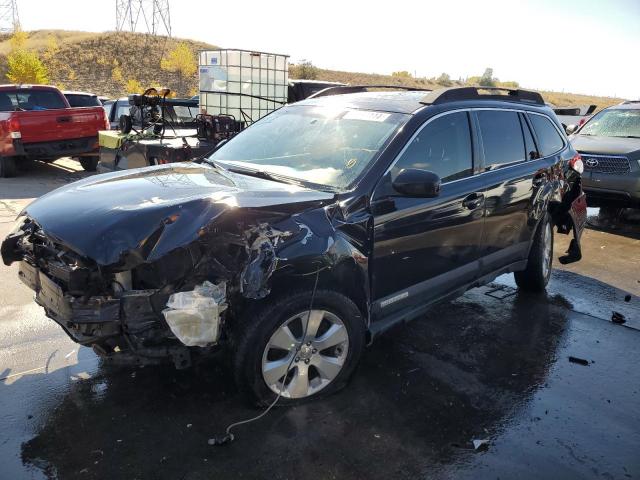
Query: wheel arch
x=346, y=277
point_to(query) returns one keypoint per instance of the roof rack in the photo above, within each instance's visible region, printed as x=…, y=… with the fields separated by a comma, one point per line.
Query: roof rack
x=453, y=94
x=344, y=89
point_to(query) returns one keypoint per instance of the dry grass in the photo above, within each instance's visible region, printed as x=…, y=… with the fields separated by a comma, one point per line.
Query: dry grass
x=86, y=61
x=92, y=57
x=38, y=39
x=562, y=99
x=557, y=98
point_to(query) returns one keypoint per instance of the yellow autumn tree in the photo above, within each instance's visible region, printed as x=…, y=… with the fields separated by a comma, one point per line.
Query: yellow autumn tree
x=180, y=60
x=116, y=75
x=24, y=66
x=18, y=40
x=133, y=86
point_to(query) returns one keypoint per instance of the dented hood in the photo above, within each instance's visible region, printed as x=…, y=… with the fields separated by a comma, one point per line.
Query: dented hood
x=150, y=211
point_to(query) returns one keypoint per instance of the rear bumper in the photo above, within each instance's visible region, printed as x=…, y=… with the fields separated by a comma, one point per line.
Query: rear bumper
x=56, y=149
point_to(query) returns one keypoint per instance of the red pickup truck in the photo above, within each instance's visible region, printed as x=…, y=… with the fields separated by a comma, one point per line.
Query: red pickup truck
x=36, y=122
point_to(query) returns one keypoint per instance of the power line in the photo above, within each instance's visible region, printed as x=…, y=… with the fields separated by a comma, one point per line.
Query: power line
x=147, y=16
x=9, y=20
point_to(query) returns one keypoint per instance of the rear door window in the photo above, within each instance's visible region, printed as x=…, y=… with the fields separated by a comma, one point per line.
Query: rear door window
x=549, y=140
x=501, y=138
x=443, y=146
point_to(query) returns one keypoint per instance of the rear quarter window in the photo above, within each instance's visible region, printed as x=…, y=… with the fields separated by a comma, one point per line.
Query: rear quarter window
x=549, y=140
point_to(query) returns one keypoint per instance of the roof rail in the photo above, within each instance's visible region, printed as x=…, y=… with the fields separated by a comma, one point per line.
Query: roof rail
x=344, y=89
x=453, y=94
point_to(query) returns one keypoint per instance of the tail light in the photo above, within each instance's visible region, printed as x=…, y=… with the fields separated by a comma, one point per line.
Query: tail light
x=107, y=125
x=14, y=128
x=576, y=163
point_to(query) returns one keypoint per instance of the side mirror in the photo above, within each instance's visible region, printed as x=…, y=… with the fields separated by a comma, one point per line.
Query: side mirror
x=414, y=182
x=571, y=129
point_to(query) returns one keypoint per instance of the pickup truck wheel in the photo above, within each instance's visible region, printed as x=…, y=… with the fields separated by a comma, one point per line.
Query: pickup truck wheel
x=535, y=277
x=89, y=164
x=7, y=167
x=285, y=348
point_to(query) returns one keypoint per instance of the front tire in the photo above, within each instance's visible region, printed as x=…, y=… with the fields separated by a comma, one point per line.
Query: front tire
x=273, y=353
x=89, y=164
x=536, y=276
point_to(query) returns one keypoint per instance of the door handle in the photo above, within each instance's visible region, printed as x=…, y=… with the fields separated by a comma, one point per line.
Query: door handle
x=473, y=201
x=63, y=119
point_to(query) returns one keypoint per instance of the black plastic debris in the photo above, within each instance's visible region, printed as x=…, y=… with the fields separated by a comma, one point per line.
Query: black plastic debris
x=627, y=298
x=579, y=361
x=617, y=317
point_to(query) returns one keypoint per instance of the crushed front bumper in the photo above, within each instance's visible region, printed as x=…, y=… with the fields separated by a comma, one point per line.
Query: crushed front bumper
x=127, y=329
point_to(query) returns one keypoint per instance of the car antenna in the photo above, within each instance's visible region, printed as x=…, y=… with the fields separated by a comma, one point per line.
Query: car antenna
x=229, y=437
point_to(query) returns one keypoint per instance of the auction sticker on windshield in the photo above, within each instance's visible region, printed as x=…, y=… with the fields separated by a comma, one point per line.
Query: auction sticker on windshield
x=366, y=115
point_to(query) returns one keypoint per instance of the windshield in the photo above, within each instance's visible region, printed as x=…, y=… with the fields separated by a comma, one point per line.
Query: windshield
x=614, y=123
x=322, y=145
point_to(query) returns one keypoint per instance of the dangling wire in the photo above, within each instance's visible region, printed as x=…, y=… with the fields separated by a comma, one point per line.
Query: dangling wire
x=228, y=437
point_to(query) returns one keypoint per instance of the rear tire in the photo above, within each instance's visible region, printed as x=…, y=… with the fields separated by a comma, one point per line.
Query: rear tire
x=7, y=167
x=89, y=164
x=321, y=369
x=536, y=276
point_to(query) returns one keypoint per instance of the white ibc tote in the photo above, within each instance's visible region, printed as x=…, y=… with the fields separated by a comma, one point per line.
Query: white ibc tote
x=245, y=84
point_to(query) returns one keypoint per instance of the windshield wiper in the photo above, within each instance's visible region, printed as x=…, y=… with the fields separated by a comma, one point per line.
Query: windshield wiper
x=282, y=179
x=260, y=174
x=626, y=136
x=208, y=161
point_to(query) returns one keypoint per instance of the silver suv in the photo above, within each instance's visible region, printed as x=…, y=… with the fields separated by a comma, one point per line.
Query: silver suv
x=610, y=147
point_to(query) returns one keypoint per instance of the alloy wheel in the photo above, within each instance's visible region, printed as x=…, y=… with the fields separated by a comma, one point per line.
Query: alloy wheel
x=305, y=353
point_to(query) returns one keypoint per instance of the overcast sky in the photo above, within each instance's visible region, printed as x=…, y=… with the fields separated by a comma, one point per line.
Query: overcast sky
x=580, y=46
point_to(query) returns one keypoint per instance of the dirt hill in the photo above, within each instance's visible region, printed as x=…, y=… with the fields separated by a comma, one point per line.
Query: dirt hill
x=103, y=62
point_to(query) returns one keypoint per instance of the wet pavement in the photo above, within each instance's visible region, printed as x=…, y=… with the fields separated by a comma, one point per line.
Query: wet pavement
x=492, y=365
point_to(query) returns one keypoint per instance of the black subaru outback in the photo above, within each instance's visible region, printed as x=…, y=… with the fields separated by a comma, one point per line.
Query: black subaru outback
x=308, y=234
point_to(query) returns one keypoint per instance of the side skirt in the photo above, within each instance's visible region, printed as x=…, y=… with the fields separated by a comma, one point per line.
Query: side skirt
x=411, y=313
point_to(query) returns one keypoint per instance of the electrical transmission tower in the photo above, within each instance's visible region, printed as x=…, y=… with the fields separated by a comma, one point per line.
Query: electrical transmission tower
x=148, y=16
x=9, y=20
